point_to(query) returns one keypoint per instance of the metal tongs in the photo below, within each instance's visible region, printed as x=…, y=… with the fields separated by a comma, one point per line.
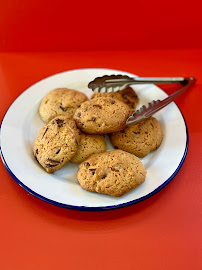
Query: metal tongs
x=114, y=83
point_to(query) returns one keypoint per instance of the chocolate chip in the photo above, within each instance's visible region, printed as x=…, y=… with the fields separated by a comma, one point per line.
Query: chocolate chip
x=60, y=122
x=93, y=171
x=98, y=106
x=113, y=101
x=64, y=109
x=50, y=165
x=52, y=160
x=86, y=164
x=104, y=176
x=78, y=114
x=36, y=159
x=76, y=140
x=45, y=132
x=37, y=151
x=125, y=97
x=115, y=168
x=58, y=151
x=93, y=118
x=85, y=109
x=136, y=132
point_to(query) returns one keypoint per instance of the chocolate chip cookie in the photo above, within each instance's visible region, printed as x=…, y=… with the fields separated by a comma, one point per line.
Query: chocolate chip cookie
x=102, y=115
x=128, y=96
x=113, y=173
x=140, y=139
x=56, y=143
x=60, y=101
x=89, y=144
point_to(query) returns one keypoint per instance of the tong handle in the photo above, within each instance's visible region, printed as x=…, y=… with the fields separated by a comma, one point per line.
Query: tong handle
x=140, y=80
x=156, y=106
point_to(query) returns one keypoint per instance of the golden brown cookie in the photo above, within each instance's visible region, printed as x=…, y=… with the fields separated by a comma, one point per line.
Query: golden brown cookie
x=105, y=94
x=128, y=96
x=102, y=115
x=89, y=144
x=113, y=173
x=56, y=143
x=60, y=101
x=139, y=139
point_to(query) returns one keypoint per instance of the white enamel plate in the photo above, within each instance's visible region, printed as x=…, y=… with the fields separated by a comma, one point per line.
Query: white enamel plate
x=22, y=123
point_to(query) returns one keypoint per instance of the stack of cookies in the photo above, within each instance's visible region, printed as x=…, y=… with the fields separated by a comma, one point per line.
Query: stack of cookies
x=75, y=131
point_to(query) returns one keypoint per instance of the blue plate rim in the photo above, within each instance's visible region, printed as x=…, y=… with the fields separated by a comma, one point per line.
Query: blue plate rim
x=86, y=208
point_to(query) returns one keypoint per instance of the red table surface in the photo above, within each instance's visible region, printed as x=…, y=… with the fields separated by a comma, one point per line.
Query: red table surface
x=162, y=232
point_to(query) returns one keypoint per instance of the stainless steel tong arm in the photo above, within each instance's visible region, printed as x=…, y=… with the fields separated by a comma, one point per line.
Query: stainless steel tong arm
x=140, y=80
x=156, y=105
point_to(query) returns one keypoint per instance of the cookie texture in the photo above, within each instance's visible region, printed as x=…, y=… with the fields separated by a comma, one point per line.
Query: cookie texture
x=140, y=139
x=102, y=115
x=56, y=143
x=88, y=145
x=128, y=96
x=60, y=101
x=114, y=173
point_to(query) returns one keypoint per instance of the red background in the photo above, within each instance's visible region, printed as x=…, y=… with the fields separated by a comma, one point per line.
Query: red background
x=147, y=38
x=60, y=25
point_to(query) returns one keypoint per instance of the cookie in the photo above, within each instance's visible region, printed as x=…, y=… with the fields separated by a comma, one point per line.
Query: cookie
x=89, y=144
x=56, y=143
x=140, y=139
x=128, y=96
x=115, y=95
x=60, y=101
x=102, y=115
x=113, y=173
